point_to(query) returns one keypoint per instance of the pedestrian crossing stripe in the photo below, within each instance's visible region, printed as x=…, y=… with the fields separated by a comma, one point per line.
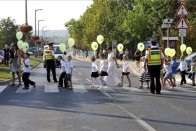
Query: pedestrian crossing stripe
x=2, y=88
x=51, y=88
x=79, y=89
x=184, y=90
x=132, y=89
x=21, y=90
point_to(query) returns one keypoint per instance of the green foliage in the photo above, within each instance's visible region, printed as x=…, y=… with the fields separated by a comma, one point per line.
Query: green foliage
x=129, y=21
x=8, y=31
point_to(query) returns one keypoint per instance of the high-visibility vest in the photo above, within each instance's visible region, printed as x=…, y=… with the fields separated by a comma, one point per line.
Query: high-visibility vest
x=154, y=56
x=48, y=54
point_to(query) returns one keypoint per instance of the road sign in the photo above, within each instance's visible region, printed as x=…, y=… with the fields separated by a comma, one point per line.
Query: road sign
x=182, y=32
x=114, y=43
x=182, y=11
x=182, y=24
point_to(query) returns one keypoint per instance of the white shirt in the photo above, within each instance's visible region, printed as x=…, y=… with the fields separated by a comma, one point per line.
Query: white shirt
x=183, y=66
x=62, y=67
x=111, y=59
x=126, y=67
x=68, y=67
x=126, y=52
x=28, y=68
x=103, y=66
x=146, y=55
x=94, y=67
x=168, y=68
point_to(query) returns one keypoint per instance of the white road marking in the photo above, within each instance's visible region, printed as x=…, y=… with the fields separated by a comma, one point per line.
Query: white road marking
x=137, y=119
x=88, y=80
x=79, y=88
x=2, y=88
x=187, y=80
x=165, y=91
x=20, y=90
x=132, y=89
x=79, y=73
x=51, y=88
x=183, y=89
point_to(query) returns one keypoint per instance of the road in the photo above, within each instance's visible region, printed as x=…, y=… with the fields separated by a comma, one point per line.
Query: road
x=48, y=108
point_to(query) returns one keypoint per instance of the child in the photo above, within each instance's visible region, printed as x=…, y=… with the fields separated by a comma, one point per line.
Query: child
x=145, y=76
x=174, y=69
x=137, y=56
x=62, y=71
x=168, y=72
x=182, y=67
x=126, y=70
x=192, y=71
x=94, y=73
x=102, y=70
x=26, y=72
x=69, y=70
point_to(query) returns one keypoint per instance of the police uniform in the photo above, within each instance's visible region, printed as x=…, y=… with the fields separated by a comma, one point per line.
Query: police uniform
x=154, y=62
x=50, y=64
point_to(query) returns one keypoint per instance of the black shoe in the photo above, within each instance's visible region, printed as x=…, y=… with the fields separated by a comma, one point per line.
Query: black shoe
x=25, y=88
x=180, y=83
x=48, y=80
x=158, y=92
x=152, y=92
x=184, y=82
x=70, y=88
x=34, y=85
x=55, y=81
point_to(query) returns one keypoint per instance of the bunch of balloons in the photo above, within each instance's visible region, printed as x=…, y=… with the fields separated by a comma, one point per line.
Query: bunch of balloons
x=94, y=46
x=62, y=47
x=188, y=49
x=21, y=45
x=71, y=42
x=120, y=47
x=170, y=52
x=140, y=46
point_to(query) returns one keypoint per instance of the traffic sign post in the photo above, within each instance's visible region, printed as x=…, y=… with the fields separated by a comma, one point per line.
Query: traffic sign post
x=182, y=11
x=182, y=24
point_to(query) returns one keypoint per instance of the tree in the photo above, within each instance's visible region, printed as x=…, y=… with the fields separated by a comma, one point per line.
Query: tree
x=8, y=31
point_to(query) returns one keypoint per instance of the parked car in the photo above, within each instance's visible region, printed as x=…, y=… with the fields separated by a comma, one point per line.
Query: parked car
x=1, y=56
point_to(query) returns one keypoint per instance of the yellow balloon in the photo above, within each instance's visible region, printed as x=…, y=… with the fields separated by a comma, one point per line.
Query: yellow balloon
x=19, y=35
x=120, y=47
x=172, y=52
x=25, y=46
x=189, y=50
x=100, y=39
x=62, y=47
x=140, y=46
x=94, y=46
x=20, y=44
x=183, y=47
x=71, y=42
x=167, y=51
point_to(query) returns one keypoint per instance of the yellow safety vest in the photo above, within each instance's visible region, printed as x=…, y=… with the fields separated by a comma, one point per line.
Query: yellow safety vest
x=154, y=56
x=48, y=54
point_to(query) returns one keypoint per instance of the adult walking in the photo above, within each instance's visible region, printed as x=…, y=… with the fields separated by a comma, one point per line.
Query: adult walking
x=15, y=64
x=50, y=62
x=154, y=60
x=6, y=55
x=111, y=67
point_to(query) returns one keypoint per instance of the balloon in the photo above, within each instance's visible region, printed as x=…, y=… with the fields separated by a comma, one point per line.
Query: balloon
x=20, y=44
x=94, y=46
x=172, y=52
x=183, y=47
x=100, y=39
x=19, y=35
x=25, y=46
x=140, y=46
x=62, y=47
x=120, y=47
x=71, y=42
x=167, y=51
x=189, y=50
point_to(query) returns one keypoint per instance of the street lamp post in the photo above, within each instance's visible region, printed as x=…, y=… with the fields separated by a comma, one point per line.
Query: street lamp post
x=35, y=18
x=38, y=25
x=43, y=31
x=26, y=13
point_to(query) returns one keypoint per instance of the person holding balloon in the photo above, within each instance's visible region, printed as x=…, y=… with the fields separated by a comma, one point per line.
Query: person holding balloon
x=182, y=67
x=168, y=72
x=174, y=69
x=15, y=64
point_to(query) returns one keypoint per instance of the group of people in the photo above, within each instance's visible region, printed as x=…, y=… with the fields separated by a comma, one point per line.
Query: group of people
x=106, y=69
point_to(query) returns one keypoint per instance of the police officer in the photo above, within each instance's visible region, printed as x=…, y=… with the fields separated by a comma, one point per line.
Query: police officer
x=50, y=62
x=154, y=60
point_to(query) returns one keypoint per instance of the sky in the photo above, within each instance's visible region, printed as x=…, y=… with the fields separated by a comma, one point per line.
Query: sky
x=55, y=12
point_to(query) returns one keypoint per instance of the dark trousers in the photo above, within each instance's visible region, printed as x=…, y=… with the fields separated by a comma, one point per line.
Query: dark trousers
x=183, y=79
x=50, y=65
x=62, y=79
x=6, y=60
x=25, y=78
x=154, y=72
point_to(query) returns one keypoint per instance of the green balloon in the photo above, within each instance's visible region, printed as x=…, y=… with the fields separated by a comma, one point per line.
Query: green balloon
x=19, y=35
x=20, y=44
x=62, y=47
x=71, y=42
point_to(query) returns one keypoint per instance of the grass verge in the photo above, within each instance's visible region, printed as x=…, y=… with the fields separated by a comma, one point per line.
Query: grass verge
x=5, y=70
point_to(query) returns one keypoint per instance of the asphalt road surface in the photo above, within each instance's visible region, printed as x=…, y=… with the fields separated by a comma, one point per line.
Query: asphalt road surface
x=48, y=108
